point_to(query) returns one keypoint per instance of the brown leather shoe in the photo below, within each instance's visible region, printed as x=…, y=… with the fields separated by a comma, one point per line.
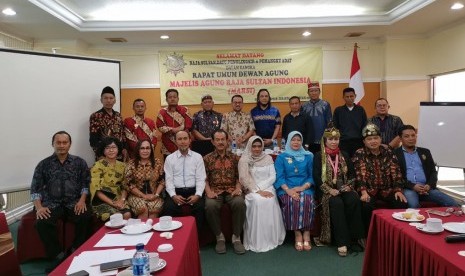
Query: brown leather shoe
x=238, y=247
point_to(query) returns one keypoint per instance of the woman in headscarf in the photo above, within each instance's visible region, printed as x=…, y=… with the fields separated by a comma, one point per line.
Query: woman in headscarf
x=263, y=228
x=295, y=187
x=334, y=176
x=106, y=187
x=143, y=178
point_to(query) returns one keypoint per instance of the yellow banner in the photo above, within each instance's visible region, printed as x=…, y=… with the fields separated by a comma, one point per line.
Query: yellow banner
x=224, y=73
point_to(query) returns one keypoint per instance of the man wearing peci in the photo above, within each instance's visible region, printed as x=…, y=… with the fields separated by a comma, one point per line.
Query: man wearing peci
x=419, y=171
x=185, y=180
x=59, y=189
x=204, y=123
x=106, y=122
x=319, y=111
x=298, y=121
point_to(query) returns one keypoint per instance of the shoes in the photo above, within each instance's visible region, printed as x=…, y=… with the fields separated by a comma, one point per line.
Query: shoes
x=55, y=262
x=299, y=246
x=238, y=247
x=220, y=247
x=307, y=245
x=342, y=251
x=362, y=243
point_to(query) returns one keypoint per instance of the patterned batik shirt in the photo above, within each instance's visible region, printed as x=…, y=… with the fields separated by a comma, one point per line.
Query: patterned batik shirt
x=206, y=122
x=237, y=124
x=136, y=176
x=102, y=124
x=320, y=113
x=377, y=172
x=138, y=128
x=222, y=171
x=59, y=184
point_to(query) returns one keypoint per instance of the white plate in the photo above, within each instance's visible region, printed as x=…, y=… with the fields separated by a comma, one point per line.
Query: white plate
x=398, y=216
x=423, y=228
x=455, y=227
x=174, y=225
x=109, y=225
x=128, y=271
x=135, y=229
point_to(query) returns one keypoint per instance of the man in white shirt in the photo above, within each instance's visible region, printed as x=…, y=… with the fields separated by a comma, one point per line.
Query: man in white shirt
x=185, y=180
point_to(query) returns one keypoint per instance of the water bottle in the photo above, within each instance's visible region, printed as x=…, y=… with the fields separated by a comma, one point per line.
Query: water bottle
x=233, y=146
x=140, y=261
x=283, y=144
x=275, y=146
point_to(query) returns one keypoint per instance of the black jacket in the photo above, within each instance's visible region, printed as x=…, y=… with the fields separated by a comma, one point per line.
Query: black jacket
x=427, y=163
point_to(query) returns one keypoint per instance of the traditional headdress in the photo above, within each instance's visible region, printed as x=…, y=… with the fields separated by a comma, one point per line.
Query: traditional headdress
x=370, y=130
x=313, y=85
x=329, y=132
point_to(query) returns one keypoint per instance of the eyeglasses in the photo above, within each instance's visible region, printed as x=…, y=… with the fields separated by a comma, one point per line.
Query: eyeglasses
x=111, y=148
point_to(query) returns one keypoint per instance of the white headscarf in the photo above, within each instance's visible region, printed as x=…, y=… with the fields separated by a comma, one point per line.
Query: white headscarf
x=248, y=161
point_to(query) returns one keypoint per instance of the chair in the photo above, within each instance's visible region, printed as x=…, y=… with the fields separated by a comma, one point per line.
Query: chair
x=9, y=264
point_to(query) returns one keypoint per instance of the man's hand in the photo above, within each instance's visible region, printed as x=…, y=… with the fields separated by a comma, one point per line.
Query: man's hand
x=80, y=207
x=365, y=196
x=192, y=199
x=119, y=204
x=211, y=194
x=237, y=192
x=43, y=213
x=265, y=194
x=400, y=196
x=180, y=200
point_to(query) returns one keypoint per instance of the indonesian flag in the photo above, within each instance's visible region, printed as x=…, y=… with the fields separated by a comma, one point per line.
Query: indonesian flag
x=356, y=77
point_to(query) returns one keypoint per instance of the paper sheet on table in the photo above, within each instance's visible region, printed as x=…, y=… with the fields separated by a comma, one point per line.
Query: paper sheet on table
x=110, y=240
x=90, y=260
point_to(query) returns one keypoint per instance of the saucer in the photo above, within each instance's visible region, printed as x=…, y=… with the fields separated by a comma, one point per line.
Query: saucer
x=109, y=225
x=135, y=229
x=455, y=227
x=424, y=229
x=174, y=225
x=128, y=271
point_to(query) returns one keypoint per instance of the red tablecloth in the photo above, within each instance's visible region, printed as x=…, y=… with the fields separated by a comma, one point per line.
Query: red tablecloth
x=183, y=260
x=396, y=248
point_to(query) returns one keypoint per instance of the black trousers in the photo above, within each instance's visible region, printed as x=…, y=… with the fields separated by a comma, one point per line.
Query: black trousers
x=48, y=232
x=170, y=208
x=368, y=207
x=351, y=146
x=346, y=218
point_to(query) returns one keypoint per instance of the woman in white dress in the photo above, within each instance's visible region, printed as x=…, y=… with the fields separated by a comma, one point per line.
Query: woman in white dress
x=264, y=227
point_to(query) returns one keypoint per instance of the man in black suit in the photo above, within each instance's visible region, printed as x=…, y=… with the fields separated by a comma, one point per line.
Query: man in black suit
x=419, y=171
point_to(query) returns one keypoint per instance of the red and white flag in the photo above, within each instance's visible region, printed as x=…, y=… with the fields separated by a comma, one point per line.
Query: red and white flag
x=356, y=77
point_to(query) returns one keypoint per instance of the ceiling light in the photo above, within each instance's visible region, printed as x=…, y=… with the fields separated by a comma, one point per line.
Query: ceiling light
x=306, y=33
x=456, y=6
x=9, y=11
x=164, y=37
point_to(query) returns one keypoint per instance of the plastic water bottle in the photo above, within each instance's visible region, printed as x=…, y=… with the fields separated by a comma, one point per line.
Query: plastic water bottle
x=275, y=146
x=140, y=261
x=283, y=144
x=233, y=146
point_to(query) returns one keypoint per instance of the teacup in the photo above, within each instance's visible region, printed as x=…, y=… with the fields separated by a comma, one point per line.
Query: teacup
x=116, y=219
x=434, y=224
x=463, y=209
x=166, y=222
x=154, y=259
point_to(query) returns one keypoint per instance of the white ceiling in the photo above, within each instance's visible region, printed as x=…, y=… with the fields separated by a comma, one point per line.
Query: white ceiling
x=203, y=22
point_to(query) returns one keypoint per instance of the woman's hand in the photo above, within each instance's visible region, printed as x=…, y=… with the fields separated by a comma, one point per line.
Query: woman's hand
x=118, y=204
x=365, y=196
x=294, y=193
x=265, y=194
x=334, y=192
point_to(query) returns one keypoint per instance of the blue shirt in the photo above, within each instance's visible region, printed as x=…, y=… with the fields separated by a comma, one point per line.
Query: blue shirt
x=320, y=112
x=294, y=173
x=265, y=120
x=414, y=168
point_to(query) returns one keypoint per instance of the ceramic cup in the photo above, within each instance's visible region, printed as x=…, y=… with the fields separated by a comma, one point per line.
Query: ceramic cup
x=463, y=209
x=165, y=222
x=116, y=219
x=154, y=259
x=434, y=224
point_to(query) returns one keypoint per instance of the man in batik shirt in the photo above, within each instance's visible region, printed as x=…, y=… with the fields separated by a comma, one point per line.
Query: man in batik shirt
x=106, y=123
x=59, y=190
x=378, y=175
x=171, y=120
x=139, y=127
x=239, y=125
x=222, y=186
x=205, y=122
